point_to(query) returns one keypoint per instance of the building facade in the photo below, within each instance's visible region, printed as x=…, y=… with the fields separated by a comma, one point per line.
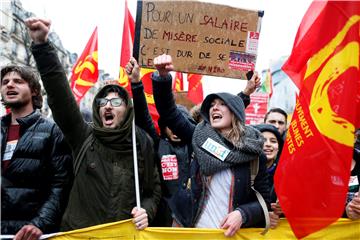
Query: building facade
x=15, y=41
x=15, y=45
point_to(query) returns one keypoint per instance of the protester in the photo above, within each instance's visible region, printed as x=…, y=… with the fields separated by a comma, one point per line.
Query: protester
x=36, y=166
x=173, y=153
x=352, y=209
x=272, y=149
x=104, y=187
x=278, y=118
x=203, y=201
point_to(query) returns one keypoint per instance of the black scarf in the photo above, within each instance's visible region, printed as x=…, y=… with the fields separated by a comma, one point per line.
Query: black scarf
x=249, y=150
x=118, y=138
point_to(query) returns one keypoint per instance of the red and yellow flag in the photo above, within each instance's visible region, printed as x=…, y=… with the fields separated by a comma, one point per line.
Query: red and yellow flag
x=312, y=177
x=126, y=47
x=195, y=92
x=178, y=84
x=126, y=53
x=85, y=72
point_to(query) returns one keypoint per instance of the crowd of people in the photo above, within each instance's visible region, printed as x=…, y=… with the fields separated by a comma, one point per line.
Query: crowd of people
x=206, y=168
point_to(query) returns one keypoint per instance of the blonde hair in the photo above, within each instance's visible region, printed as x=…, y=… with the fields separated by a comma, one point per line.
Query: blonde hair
x=235, y=135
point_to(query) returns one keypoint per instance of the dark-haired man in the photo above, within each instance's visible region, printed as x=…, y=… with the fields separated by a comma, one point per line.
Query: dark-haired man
x=36, y=166
x=278, y=118
x=104, y=186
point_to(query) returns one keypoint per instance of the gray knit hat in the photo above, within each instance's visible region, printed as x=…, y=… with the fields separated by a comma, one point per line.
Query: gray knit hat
x=234, y=102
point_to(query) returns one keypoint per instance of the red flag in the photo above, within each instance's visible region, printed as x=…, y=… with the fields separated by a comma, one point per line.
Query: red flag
x=312, y=177
x=127, y=47
x=195, y=92
x=178, y=84
x=126, y=53
x=85, y=72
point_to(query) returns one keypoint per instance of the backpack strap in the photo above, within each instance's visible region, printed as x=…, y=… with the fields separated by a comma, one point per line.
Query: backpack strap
x=80, y=157
x=254, y=169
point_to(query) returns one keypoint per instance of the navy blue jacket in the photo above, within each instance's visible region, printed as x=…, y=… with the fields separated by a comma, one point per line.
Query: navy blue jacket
x=163, y=146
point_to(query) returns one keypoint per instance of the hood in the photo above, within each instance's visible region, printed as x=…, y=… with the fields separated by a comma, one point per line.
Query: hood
x=102, y=93
x=234, y=103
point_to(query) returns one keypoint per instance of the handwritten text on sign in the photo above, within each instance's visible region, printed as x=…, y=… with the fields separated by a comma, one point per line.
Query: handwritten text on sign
x=202, y=38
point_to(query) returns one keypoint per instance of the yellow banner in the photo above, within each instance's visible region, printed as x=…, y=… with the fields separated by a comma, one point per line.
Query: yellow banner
x=342, y=229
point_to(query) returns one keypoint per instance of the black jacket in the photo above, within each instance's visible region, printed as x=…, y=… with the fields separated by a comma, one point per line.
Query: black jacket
x=163, y=146
x=36, y=184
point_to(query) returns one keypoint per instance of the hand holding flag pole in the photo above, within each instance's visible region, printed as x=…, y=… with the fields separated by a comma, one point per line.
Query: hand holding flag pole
x=134, y=74
x=140, y=217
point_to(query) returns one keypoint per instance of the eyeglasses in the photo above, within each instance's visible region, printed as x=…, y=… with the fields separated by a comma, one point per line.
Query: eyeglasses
x=115, y=102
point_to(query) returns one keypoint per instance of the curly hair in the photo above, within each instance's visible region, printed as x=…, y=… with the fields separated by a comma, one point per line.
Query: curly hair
x=31, y=77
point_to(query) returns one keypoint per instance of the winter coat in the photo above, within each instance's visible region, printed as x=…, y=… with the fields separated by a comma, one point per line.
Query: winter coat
x=104, y=187
x=164, y=148
x=36, y=184
x=188, y=202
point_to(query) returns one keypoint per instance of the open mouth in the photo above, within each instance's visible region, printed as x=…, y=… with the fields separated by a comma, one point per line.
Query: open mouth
x=216, y=116
x=268, y=151
x=109, y=117
x=11, y=93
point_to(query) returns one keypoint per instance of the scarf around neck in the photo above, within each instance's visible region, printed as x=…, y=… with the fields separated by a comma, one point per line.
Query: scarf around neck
x=118, y=138
x=209, y=164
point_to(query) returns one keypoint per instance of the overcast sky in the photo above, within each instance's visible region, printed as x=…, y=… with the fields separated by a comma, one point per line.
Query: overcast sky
x=75, y=20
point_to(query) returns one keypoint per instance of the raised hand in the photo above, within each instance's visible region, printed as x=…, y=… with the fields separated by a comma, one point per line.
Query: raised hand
x=163, y=64
x=133, y=70
x=38, y=29
x=252, y=84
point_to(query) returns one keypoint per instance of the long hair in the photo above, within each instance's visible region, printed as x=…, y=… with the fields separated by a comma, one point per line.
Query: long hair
x=235, y=135
x=31, y=77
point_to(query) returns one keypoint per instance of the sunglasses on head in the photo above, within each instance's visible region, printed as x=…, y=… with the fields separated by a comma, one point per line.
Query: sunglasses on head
x=115, y=102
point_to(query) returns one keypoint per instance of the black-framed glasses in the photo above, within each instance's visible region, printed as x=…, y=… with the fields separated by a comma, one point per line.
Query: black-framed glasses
x=115, y=102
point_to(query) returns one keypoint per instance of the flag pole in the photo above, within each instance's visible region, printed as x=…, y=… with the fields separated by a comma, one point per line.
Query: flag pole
x=136, y=172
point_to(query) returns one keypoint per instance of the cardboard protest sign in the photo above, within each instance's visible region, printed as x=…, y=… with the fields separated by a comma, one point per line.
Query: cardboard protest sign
x=202, y=38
